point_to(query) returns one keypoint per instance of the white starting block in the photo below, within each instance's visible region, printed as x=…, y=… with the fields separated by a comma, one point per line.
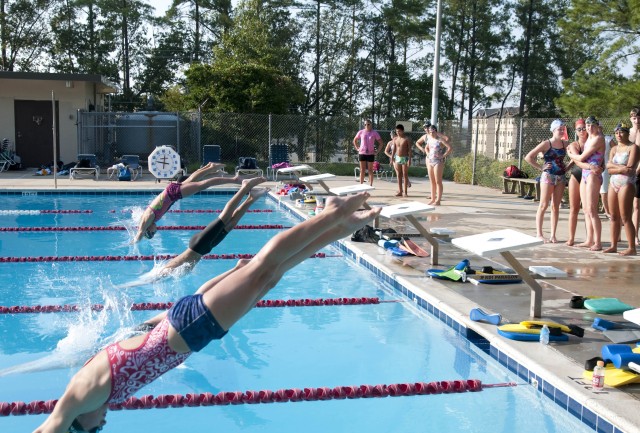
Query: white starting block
x=318, y=179
x=296, y=170
x=351, y=189
x=502, y=242
x=407, y=210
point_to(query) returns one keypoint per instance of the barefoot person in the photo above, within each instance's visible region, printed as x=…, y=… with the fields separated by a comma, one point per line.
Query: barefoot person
x=436, y=147
x=552, y=180
x=365, y=144
x=593, y=154
x=575, y=178
x=634, y=137
x=203, y=242
x=402, y=159
x=622, y=166
x=121, y=369
x=199, y=180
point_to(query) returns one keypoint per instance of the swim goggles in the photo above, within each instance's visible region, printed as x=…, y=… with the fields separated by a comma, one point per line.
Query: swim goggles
x=77, y=428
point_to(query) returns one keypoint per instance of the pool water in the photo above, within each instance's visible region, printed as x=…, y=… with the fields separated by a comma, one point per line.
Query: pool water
x=270, y=348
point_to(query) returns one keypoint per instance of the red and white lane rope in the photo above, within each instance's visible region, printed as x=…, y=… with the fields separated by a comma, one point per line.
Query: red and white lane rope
x=41, y=211
x=225, y=398
x=34, y=259
x=120, y=228
x=146, y=306
x=201, y=211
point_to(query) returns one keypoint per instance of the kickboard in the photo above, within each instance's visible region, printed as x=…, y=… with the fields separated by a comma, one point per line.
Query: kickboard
x=622, y=336
x=548, y=271
x=515, y=331
x=607, y=305
x=615, y=377
x=497, y=277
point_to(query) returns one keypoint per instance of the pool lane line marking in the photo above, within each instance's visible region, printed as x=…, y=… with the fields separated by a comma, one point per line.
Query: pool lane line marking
x=148, y=306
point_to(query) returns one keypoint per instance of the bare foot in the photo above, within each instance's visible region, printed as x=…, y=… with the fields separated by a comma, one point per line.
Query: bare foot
x=345, y=205
x=553, y=240
x=611, y=249
x=250, y=183
x=405, y=195
x=541, y=238
x=258, y=192
x=431, y=202
x=437, y=203
x=596, y=247
x=569, y=243
x=585, y=245
x=628, y=252
x=398, y=194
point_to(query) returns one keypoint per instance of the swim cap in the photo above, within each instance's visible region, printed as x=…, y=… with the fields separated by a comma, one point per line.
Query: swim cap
x=579, y=122
x=556, y=124
x=592, y=120
x=622, y=126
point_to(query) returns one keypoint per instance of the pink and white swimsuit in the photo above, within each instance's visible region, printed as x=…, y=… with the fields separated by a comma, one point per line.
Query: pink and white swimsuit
x=131, y=369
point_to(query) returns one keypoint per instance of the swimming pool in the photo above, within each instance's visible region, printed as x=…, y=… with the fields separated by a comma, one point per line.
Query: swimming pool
x=271, y=348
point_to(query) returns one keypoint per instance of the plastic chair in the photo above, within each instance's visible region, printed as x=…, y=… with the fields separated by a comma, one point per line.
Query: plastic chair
x=210, y=153
x=248, y=165
x=93, y=168
x=6, y=157
x=278, y=154
x=133, y=162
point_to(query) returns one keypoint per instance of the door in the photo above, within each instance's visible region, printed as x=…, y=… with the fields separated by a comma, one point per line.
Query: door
x=34, y=135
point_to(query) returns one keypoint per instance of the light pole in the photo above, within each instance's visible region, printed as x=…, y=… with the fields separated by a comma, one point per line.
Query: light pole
x=436, y=67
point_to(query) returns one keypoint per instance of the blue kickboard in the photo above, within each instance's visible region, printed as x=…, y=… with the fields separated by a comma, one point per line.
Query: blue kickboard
x=531, y=337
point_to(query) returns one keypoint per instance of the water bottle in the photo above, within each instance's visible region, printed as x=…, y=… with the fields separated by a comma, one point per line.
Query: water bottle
x=597, y=381
x=544, y=335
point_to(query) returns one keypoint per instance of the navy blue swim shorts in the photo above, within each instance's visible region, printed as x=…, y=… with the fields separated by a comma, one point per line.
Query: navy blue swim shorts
x=194, y=322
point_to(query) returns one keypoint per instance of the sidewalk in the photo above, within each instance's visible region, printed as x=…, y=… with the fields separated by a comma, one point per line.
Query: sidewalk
x=470, y=210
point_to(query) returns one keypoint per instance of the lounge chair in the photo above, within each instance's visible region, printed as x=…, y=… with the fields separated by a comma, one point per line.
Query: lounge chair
x=6, y=156
x=87, y=166
x=278, y=157
x=212, y=153
x=133, y=162
x=248, y=165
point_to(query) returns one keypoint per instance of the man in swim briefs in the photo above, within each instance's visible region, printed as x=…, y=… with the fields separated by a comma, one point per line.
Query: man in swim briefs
x=121, y=369
x=199, y=180
x=402, y=159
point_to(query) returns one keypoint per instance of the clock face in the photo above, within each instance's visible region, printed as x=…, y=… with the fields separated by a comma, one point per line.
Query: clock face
x=164, y=162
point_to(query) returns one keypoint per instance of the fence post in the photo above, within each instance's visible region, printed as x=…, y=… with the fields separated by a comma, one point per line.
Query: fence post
x=269, y=143
x=520, y=144
x=475, y=154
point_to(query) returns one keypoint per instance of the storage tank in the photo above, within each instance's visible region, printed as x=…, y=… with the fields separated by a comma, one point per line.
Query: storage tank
x=139, y=133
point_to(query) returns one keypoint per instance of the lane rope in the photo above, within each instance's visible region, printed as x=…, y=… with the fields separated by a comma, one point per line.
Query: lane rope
x=148, y=306
x=42, y=211
x=201, y=211
x=34, y=259
x=225, y=398
x=120, y=228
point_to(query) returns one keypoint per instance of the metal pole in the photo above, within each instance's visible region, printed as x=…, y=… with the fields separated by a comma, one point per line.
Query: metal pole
x=55, y=141
x=520, y=144
x=269, y=144
x=436, y=67
x=475, y=153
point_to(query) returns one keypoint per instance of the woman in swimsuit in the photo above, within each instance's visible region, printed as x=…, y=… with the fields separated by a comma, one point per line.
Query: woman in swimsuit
x=622, y=165
x=593, y=155
x=436, y=147
x=575, y=178
x=552, y=180
x=198, y=181
x=121, y=369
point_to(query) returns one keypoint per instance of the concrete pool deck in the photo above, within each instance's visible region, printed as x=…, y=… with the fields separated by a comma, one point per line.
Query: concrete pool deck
x=471, y=210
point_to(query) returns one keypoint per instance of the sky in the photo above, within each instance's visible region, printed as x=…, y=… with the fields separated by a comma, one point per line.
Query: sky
x=160, y=5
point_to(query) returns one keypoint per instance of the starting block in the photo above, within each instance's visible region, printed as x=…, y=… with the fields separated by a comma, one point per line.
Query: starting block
x=407, y=210
x=503, y=242
x=317, y=178
x=296, y=170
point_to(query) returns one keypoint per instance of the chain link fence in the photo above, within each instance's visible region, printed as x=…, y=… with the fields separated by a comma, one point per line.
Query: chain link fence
x=479, y=155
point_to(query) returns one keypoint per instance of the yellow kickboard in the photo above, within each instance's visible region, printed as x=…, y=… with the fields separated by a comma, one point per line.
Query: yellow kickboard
x=616, y=377
x=530, y=323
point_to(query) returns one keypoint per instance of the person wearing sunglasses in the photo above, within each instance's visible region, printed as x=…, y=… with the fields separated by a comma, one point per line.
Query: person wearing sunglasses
x=121, y=369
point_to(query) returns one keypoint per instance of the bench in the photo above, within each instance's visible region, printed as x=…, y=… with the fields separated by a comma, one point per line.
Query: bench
x=525, y=187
